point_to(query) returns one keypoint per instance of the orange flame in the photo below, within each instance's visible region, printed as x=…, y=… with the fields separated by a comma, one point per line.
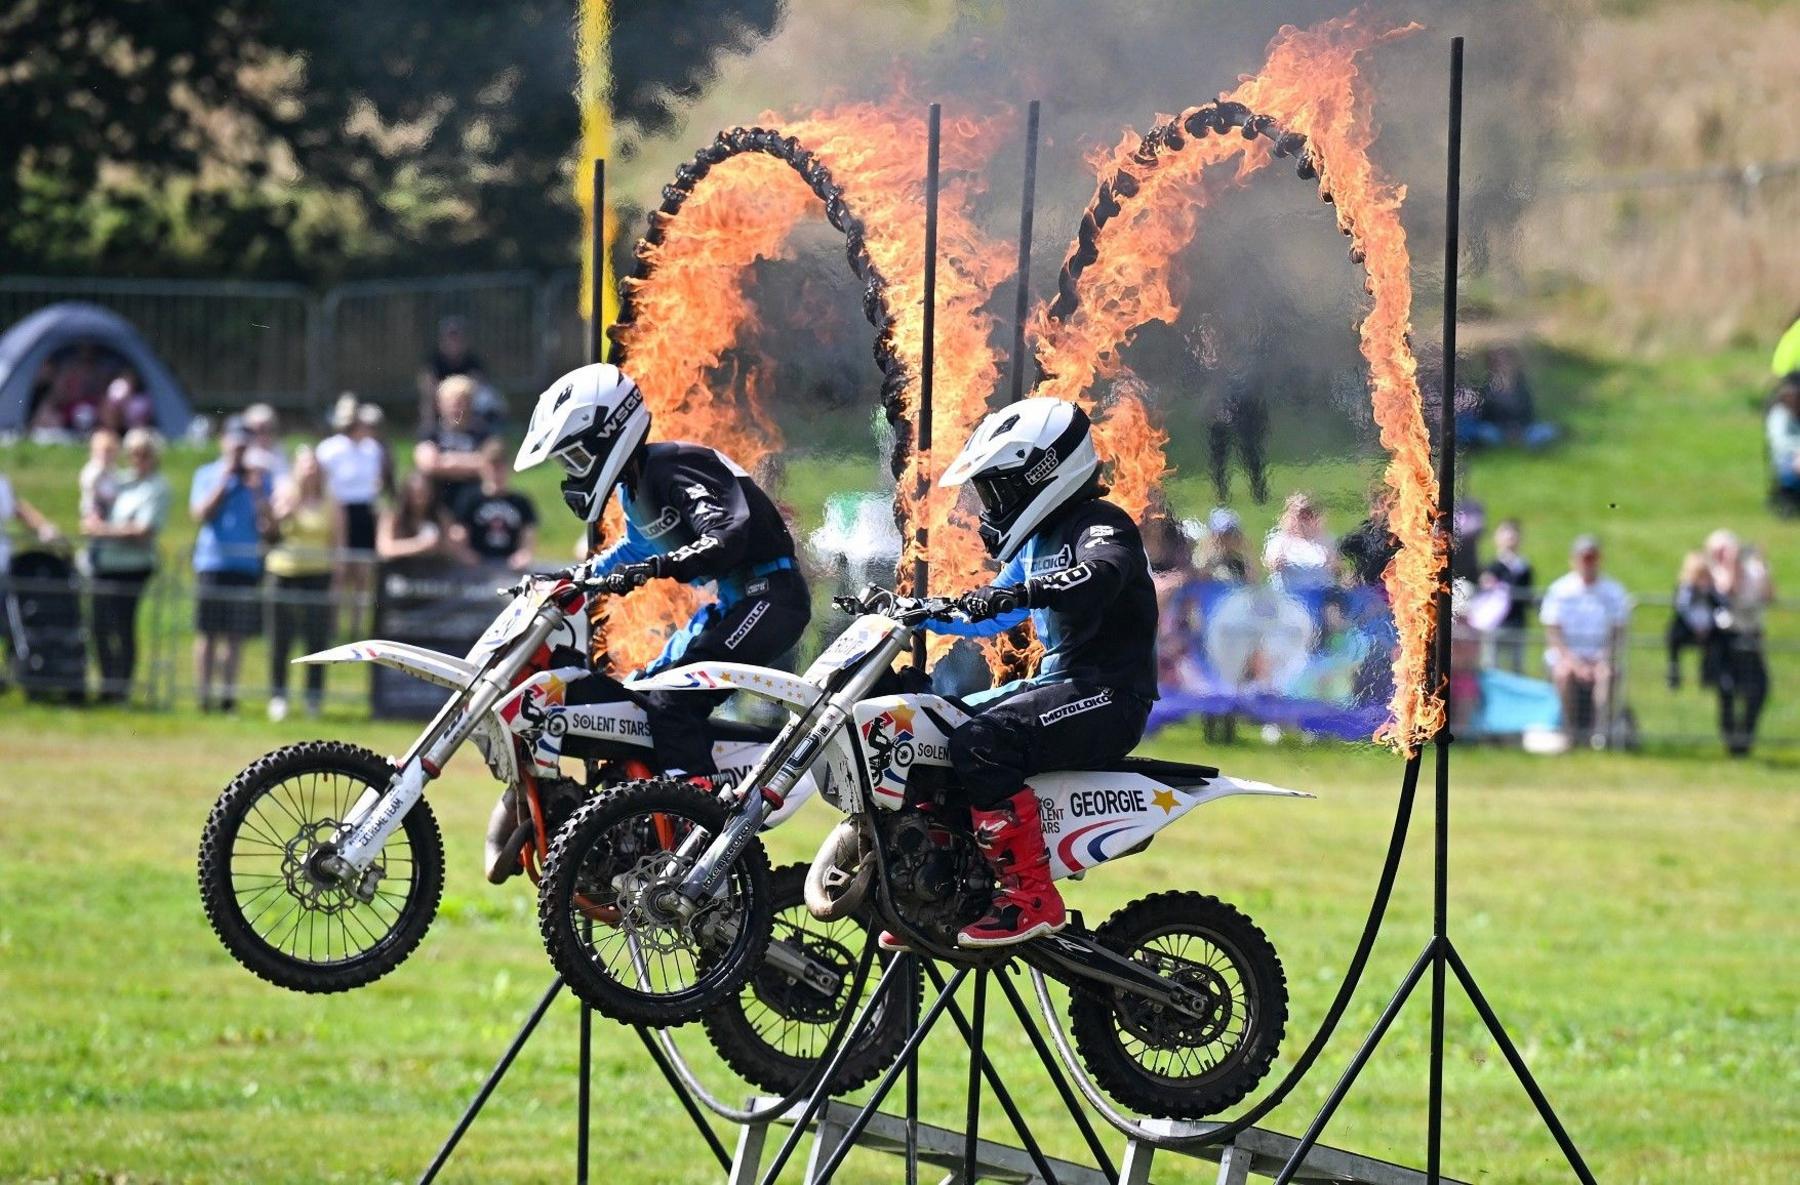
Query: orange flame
x=692, y=307
x=1311, y=85
x=876, y=153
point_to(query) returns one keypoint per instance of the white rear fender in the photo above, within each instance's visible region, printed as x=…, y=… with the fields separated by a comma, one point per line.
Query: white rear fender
x=1091, y=816
x=779, y=686
x=442, y=669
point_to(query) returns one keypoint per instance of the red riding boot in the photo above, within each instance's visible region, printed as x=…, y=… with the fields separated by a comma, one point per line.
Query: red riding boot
x=1026, y=905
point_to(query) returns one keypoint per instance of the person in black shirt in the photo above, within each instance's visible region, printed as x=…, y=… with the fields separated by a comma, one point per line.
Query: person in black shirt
x=1076, y=564
x=451, y=356
x=1510, y=571
x=495, y=524
x=449, y=448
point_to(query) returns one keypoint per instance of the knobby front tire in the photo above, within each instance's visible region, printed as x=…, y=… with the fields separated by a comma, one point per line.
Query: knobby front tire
x=628, y=963
x=281, y=924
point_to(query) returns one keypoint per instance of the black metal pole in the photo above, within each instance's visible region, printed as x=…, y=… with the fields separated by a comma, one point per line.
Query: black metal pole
x=596, y=350
x=1440, y=899
x=1519, y=1068
x=822, y=1091
x=596, y=343
x=976, y=1035
x=1057, y=1077
x=927, y=352
x=493, y=1080
x=909, y=1052
x=584, y=1077
x=912, y=1076
x=687, y=1100
x=1027, y=206
x=1361, y=1059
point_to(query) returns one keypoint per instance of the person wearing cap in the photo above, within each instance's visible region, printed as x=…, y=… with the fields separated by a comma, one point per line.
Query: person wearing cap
x=230, y=501
x=1224, y=558
x=265, y=451
x=1585, y=615
x=357, y=470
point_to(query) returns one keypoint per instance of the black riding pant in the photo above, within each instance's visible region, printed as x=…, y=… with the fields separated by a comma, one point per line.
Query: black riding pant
x=757, y=630
x=1071, y=724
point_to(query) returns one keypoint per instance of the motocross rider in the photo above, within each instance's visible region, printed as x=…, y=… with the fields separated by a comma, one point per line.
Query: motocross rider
x=691, y=514
x=1074, y=562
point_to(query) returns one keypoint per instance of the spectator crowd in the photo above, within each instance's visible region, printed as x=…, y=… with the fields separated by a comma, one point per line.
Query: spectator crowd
x=288, y=545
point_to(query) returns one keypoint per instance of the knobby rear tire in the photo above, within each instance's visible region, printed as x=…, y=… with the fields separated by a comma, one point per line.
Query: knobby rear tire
x=747, y=1048
x=221, y=898
x=1095, y=1013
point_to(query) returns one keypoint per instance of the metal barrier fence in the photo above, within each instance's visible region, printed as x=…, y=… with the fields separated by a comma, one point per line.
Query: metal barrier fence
x=233, y=342
x=458, y=609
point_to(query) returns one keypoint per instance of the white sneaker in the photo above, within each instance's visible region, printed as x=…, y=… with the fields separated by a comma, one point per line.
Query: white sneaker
x=278, y=708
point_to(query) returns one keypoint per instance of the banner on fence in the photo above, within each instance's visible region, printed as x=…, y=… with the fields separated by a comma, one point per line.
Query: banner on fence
x=438, y=605
x=1318, y=659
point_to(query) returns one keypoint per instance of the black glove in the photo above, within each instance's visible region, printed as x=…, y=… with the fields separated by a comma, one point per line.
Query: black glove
x=623, y=580
x=984, y=603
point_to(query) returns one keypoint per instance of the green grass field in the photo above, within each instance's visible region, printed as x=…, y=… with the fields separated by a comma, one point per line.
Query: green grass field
x=1631, y=917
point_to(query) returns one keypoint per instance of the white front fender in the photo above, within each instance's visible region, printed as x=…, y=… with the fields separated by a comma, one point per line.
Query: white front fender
x=442, y=669
x=779, y=686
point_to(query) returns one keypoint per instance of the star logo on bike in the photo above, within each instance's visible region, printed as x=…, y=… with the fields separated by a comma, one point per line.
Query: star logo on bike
x=1166, y=800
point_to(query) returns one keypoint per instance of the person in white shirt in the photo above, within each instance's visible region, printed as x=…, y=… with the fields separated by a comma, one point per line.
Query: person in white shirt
x=1585, y=616
x=355, y=464
x=1298, y=555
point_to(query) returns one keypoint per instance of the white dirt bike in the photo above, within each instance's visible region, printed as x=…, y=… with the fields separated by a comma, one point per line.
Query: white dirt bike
x=1178, y=1002
x=321, y=864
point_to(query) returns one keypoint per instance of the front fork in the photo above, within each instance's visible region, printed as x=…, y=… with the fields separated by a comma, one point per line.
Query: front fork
x=379, y=813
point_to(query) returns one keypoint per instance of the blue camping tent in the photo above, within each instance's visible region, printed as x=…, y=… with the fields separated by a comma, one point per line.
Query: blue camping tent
x=25, y=346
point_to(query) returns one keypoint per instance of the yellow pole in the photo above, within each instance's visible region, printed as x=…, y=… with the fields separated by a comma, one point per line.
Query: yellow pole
x=594, y=92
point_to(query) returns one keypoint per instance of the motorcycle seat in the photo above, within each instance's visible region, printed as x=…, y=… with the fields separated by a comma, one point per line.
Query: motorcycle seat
x=1173, y=773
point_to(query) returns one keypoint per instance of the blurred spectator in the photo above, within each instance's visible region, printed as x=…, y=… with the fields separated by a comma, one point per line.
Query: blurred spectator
x=357, y=469
x=265, y=451
x=1696, y=608
x=1464, y=699
x=1741, y=580
x=98, y=481
x=12, y=506
x=1224, y=556
x=1783, y=430
x=230, y=501
x=1298, y=554
x=128, y=405
x=451, y=357
x=1511, y=571
x=494, y=523
x=1585, y=615
x=122, y=557
x=449, y=452
x=409, y=528
x=1240, y=420
x=1169, y=551
x=1465, y=540
x=1364, y=553
x=1505, y=413
x=300, y=566
x=72, y=406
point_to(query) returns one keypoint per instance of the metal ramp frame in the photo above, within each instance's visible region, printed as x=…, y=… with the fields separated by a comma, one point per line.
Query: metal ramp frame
x=1256, y=1152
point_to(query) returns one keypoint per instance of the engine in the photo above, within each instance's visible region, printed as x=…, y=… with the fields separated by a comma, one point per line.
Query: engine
x=937, y=877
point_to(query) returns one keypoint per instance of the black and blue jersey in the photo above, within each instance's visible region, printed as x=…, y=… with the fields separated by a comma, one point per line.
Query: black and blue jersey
x=1092, y=601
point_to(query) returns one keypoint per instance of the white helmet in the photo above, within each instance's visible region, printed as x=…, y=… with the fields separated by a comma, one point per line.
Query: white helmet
x=591, y=420
x=1026, y=460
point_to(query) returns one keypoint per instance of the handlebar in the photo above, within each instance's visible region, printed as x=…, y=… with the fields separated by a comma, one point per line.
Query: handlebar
x=909, y=611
